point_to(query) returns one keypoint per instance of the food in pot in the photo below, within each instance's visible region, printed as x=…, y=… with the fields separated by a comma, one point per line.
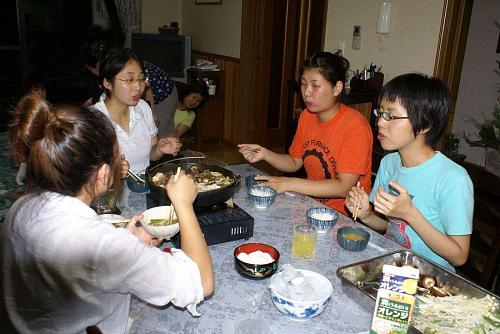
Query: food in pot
x=457, y=314
x=205, y=181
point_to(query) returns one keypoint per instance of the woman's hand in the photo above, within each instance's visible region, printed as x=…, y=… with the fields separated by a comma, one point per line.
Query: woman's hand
x=362, y=203
x=252, y=152
x=169, y=145
x=124, y=166
x=399, y=206
x=183, y=190
x=144, y=237
x=280, y=183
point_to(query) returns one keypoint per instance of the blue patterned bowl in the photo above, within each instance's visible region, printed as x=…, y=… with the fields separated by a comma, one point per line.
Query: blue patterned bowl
x=251, y=181
x=261, y=196
x=137, y=187
x=304, y=310
x=352, y=238
x=322, y=218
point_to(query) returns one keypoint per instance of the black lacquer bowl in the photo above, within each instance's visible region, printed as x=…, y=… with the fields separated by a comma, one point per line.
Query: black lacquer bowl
x=256, y=271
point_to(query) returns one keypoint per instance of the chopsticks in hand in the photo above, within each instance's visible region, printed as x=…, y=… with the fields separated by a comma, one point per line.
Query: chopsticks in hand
x=356, y=204
x=171, y=213
x=135, y=177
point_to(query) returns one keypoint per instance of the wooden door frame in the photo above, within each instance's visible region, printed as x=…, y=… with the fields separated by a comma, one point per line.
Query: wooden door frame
x=451, y=49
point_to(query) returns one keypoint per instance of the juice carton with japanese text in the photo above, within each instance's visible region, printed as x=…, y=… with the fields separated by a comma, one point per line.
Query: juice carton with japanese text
x=395, y=300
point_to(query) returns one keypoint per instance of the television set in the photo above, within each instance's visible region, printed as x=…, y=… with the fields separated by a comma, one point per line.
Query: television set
x=172, y=53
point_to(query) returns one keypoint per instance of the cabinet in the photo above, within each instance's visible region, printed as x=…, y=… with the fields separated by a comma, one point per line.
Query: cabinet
x=209, y=122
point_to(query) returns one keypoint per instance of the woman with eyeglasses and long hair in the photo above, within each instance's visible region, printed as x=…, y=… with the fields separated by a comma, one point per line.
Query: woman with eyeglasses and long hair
x=63, y=269
x=122, y=76
x=333, y=141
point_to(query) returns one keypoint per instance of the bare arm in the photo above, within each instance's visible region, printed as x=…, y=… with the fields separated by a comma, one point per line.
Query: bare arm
x=454, y=248
x=182, y=194
x=358, y=197
x=284, y=162
x=333, y=188
x=181, y=129
x=167, y=145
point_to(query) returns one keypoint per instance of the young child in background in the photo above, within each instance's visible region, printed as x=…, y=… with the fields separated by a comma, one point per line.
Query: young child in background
x=424, y=199
x=192, y=98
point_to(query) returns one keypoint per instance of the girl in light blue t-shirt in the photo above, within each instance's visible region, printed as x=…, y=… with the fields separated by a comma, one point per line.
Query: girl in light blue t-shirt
x=421, y=198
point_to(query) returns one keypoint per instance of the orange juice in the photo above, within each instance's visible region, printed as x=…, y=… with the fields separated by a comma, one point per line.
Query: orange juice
x=395, y=300
x=304, y=241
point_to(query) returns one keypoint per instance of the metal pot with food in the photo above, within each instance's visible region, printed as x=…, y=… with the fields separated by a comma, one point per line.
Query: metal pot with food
x=215, y=182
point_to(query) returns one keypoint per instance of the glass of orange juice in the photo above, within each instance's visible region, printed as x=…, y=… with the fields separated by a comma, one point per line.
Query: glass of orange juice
x=304, y=241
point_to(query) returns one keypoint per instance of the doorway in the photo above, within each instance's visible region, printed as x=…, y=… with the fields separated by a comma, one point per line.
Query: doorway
x=277, y=35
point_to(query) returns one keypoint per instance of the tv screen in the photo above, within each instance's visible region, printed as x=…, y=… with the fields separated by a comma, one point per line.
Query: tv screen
x=170, y=52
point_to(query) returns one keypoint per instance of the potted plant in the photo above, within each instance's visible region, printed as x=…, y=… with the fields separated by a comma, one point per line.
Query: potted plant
x=450, y=147
x=489, y=138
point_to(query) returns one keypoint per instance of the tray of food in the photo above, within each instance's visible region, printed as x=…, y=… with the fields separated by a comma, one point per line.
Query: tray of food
x=446, y=301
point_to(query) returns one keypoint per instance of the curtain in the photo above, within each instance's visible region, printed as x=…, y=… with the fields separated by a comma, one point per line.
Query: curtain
x=129, y=14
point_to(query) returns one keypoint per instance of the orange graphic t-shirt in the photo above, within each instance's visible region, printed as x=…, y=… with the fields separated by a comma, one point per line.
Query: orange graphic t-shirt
x=341, y=145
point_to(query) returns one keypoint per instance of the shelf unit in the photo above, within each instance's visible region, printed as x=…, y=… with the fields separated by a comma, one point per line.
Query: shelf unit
x=209, y=122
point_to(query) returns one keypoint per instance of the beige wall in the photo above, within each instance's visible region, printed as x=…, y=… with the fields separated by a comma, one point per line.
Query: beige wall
x=479, y=83
x=410, y=46
x=217, y=29
x=156, y=13
x=214, y=28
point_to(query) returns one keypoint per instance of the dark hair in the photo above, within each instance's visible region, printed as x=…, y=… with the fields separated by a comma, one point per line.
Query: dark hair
x=332, y=67
x=114, y=61
x=95, y=45
x=92, y=52
x=64, y=146
x=426, y=100
x=195, y=88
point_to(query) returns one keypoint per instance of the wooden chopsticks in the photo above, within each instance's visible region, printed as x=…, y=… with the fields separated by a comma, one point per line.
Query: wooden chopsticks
x=171, y=212
x=135, y=177
x=356, y=205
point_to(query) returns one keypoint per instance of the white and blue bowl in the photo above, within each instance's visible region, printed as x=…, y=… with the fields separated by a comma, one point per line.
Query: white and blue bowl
x=304, y=310
x=322, y=218
x=261, y=196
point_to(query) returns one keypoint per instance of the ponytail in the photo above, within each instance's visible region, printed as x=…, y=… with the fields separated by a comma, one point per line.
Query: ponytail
x=64, y=146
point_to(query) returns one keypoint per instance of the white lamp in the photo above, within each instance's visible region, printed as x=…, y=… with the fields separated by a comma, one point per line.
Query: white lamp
x=383, y=23
x=384, y=17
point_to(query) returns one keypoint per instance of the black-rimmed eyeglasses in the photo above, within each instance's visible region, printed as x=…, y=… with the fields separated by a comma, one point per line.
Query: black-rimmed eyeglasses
x=386, y=116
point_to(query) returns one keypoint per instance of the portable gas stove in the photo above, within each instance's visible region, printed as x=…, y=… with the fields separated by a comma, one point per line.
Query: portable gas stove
x=219, y=223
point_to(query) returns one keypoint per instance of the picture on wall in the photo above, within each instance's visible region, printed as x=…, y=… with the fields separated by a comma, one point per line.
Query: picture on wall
x=208, y=2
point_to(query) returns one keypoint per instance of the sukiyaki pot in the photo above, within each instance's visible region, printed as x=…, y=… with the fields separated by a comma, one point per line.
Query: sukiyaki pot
x=215, y=184
x=206, y=180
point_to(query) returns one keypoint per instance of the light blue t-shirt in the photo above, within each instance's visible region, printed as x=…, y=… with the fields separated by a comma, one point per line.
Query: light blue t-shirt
x=441, y=190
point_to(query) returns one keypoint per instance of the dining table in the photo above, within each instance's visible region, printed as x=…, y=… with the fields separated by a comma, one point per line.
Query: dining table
x=243, y=305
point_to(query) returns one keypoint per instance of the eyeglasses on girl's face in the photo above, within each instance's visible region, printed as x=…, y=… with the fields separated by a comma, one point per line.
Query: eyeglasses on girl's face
x=131, y=81
x=386, y=116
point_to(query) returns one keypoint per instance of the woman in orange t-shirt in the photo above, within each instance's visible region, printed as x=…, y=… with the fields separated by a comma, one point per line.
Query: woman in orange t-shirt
x=333, y=142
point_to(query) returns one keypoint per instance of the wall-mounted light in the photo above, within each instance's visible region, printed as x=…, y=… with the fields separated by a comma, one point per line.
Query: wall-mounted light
x=384, y=17
x=384, y=22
